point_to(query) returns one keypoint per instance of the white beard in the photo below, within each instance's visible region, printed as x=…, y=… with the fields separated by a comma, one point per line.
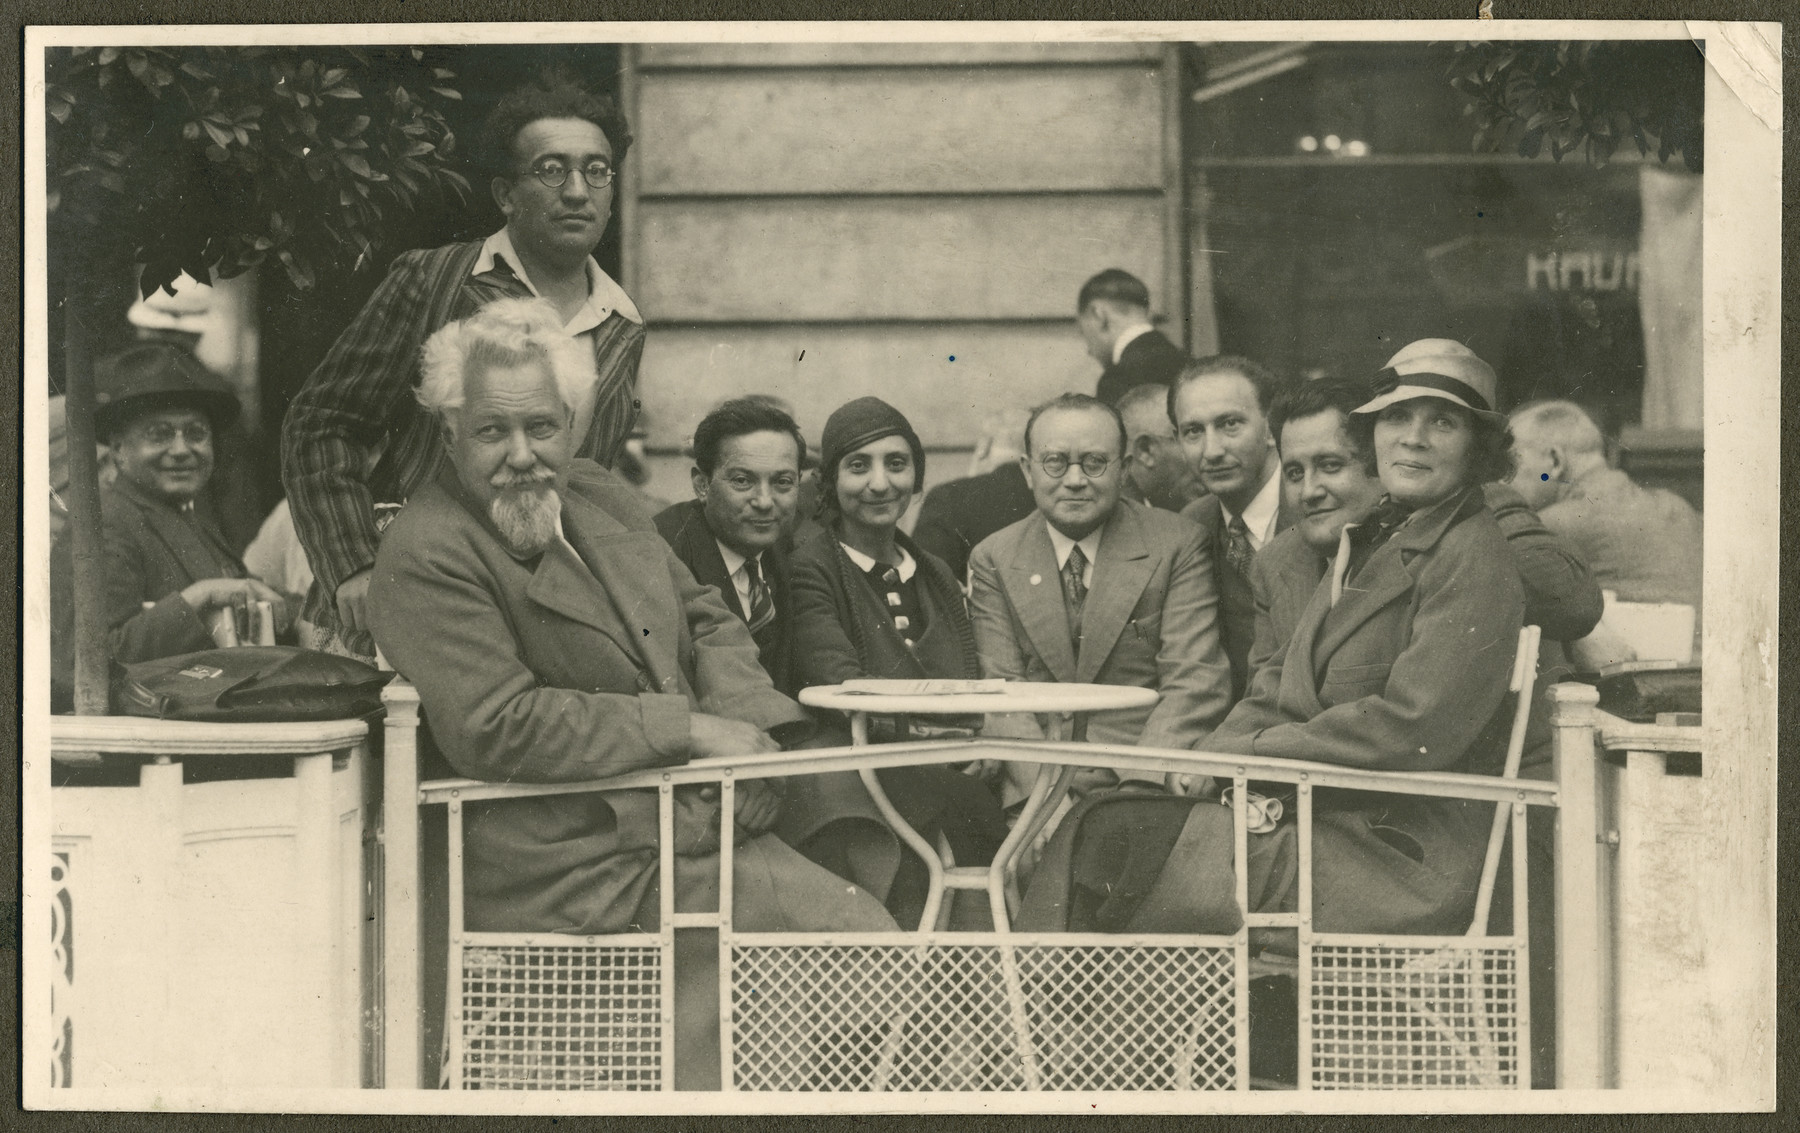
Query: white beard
x=526, y=520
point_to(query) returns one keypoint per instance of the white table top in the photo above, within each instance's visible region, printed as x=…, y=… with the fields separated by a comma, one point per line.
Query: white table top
x=1019, y=696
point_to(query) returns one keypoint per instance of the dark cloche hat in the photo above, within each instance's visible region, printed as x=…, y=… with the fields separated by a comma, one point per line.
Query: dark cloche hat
x=152, y=377
x=860, y=422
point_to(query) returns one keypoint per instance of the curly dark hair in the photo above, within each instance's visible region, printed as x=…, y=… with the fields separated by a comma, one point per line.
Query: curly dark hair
x=1491, y=460
x=553, y=94
x=737, y=418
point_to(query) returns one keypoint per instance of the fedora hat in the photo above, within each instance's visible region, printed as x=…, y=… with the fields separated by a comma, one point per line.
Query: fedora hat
x=152, y=377
x=1436, y=367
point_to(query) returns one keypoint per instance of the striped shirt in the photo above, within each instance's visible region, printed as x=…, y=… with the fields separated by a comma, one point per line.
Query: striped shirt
x=360, y=402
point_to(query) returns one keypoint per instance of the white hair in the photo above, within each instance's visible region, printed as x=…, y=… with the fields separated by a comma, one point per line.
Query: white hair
x=1560, y=423
x=506, y=332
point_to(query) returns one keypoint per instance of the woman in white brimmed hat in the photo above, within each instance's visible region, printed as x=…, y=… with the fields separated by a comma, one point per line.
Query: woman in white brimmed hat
x=1399, y=662
x=1431, y=424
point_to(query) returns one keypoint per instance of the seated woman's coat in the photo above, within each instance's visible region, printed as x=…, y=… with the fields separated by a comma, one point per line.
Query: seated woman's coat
x=1408, y=671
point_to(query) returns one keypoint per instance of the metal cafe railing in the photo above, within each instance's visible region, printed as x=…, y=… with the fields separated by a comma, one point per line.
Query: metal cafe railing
x=932, y=1010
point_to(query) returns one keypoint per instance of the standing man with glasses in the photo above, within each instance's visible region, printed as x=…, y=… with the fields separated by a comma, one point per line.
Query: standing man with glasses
x=356, y=439
x=1093, y=589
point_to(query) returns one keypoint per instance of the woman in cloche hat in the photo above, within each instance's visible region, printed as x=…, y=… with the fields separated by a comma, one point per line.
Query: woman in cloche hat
x=869, y=603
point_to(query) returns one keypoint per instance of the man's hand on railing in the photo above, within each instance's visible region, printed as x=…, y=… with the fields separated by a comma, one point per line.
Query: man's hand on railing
x=758, y=806
x=1193, y=786
x=715, y=737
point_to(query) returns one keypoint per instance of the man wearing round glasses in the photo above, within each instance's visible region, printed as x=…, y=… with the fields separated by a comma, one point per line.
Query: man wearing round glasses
x=554, y=149
x=1094, y=589
x=168, y=567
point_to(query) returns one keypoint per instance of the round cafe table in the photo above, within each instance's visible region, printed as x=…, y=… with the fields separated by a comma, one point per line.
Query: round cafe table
x=1051, y=781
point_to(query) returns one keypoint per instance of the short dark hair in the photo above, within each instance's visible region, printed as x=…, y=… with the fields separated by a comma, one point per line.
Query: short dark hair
x=740, y=417
x=1492, y=459
x=1076, y=401
x=555, y=93
x=1117, y=285
x=1323, y=395
x=1266, y=382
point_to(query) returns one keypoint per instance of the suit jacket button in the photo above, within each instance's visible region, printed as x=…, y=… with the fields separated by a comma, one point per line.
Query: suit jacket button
x=643, y=682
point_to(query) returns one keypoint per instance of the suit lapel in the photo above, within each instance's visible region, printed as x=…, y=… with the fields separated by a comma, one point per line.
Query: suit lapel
x=1384, y=577
x=618, y=592
x=1382, y=580
x=1120, y=575
x=709, y=564
x=1034, y=588
x=188, y=544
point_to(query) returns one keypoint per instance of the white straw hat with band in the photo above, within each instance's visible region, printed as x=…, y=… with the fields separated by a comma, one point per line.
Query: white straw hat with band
x=1436, y=367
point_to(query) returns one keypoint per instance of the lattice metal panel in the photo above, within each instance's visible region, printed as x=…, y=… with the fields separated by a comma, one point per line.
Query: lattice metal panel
x=563, y=1017
x=1415, y=1018
x=940, y=1017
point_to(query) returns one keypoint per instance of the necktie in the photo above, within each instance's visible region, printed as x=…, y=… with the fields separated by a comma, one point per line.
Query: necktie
x=1238, y=551
x=1074, y=584
x=762, y=603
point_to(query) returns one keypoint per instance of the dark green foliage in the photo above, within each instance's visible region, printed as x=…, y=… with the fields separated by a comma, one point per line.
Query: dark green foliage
x=1591, y=96
x=211, y=160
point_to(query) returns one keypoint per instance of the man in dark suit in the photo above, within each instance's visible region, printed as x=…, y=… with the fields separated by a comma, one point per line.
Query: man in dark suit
x=1220, y=408
x=168, y=569
x=1113, y=315
x=746, y=480
x=957, y=515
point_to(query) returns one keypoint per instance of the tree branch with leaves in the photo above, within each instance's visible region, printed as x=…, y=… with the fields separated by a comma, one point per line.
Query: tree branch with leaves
x=1591, y=96
x=217, y=159
x=214, y=161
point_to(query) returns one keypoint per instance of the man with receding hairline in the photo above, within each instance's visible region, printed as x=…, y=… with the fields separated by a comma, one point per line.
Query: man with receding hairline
x=1642, y=543
x=1155, y=468
x=1220, y=408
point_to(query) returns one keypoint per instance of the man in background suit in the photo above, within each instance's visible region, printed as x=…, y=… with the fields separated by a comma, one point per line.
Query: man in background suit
x=1156, y=470
x=1095, y=590
x=958, y=514
x=1220, y=407
x=1113, y=314
x=746, y=479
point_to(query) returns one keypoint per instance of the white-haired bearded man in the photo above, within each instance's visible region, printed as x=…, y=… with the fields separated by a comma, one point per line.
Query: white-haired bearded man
x=553, y=636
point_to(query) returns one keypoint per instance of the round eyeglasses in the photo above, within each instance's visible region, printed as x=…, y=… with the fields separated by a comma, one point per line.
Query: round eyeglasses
x=1056, y=464
x=162, y=434
x=554, y=174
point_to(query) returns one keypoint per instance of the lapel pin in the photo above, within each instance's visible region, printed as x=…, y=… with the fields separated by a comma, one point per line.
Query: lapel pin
x=1036, y=578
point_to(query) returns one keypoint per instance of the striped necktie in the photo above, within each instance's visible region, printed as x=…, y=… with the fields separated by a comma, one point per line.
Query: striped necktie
x=762, y=603
x=1238, y=552
x=1074, y=584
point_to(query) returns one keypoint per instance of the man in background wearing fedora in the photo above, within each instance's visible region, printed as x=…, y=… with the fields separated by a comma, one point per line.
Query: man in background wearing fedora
x=168, y=568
